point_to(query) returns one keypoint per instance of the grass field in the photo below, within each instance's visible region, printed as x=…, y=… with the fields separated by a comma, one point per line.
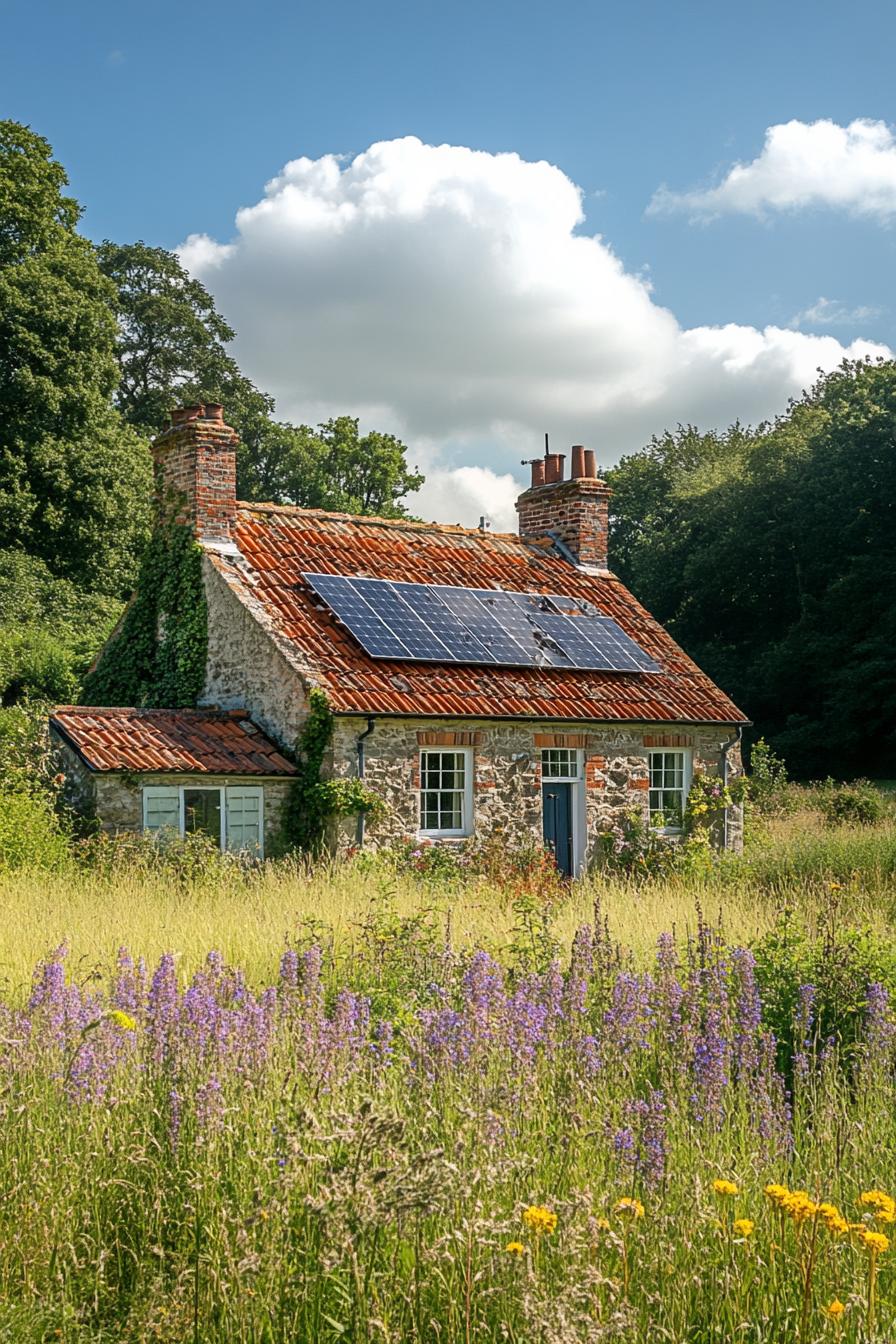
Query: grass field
x=387, y=1109
x=250, y=917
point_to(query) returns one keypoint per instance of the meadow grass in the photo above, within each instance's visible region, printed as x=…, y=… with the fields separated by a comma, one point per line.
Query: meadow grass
x=250, y=916
x=342, y=1143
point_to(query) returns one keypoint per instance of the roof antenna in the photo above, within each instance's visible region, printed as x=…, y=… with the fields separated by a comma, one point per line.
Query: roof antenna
x=546, y=445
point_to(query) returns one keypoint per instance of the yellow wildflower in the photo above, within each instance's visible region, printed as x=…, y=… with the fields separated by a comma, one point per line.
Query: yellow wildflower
x=776, y=1193
x=727, y=1188
x=743, y=1227
x=799, y=1206
x=834, y=1310
x=601, y=1224
x=875, y=1242
x=632, y=1208
x=515, y=1248
x=877, y=1200
x=123, y=1020
x=539, y=1219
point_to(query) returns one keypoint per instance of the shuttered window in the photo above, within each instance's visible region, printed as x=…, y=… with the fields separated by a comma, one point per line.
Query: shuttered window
x=233, y=816
x=244, y=819
x=161, y=808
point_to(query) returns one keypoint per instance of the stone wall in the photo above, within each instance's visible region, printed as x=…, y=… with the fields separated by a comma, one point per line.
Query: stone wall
x=117, y=800
x=79, y=788
x=507, y=771
x=245, y=669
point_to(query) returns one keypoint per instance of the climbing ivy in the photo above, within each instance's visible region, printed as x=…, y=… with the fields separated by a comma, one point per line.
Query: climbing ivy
x=157, y=655
x=314, y=801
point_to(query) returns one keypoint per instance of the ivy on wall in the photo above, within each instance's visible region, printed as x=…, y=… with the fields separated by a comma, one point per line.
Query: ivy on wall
x=314, y=801
x=157, y=656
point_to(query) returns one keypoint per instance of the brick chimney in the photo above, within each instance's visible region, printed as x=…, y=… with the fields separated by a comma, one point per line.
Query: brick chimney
x=574, y=512
x=195, y=466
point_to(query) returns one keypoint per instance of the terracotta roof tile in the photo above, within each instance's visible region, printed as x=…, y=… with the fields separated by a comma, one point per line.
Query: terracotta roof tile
x=182, y=741
x=280, y=542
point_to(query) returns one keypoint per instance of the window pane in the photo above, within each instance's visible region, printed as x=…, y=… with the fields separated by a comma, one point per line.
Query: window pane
x=202, y=812
x=442, y=786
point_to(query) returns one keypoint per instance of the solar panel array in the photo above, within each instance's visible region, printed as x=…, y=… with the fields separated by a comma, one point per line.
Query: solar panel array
x=434, y=623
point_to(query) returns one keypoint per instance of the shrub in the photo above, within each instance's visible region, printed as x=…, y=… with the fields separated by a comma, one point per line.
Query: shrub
x=31, y=832
x=771, y=794
x=856, y=804
x=814, y=991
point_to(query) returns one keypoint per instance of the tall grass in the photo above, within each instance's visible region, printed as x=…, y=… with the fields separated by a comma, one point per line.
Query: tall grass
x=250, y=915
x=331, y=1129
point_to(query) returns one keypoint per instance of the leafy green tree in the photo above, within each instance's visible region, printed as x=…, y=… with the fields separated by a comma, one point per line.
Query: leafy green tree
x=75, y=483
x=334, y=467
x=50, y=631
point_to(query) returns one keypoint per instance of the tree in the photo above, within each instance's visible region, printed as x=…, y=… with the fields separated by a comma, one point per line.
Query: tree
x=75, y=483
x=172, y=348
x=334, y=467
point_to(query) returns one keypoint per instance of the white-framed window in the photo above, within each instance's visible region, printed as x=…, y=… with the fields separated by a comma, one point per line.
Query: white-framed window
x=560, y=763
x=446, y=791
x=670, y=780
x=233, y=815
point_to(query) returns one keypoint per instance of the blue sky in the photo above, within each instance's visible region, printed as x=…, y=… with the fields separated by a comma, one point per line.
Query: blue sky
x=171, y=117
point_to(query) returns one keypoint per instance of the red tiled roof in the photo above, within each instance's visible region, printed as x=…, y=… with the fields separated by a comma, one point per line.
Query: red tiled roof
x=182, y=741
x=278, y=543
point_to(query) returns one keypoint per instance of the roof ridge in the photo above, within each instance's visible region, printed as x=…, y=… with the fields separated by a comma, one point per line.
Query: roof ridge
x=374, y=520
x=147, y=711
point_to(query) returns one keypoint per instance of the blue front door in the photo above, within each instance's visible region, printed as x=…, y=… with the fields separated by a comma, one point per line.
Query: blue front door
x=556, y=804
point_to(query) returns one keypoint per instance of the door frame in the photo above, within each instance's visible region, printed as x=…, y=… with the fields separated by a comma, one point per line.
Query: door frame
x=576, y=807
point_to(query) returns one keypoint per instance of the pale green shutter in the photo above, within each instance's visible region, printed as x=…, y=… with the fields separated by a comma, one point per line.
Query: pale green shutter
x=245, y=820
x=161, y=808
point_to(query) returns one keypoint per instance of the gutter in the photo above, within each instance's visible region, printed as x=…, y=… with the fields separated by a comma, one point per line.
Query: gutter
x=371, y=723
x=723, y=752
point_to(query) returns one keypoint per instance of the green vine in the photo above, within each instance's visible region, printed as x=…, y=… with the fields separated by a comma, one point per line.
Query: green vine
x=157, y=656
x=314, y=801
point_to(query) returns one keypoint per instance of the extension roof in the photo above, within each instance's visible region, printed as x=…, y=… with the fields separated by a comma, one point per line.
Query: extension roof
x=275, y=544
x=169, y=741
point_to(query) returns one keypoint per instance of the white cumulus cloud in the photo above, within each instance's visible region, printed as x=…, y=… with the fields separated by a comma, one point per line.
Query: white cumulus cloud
x=444, y=294
x=803, y=164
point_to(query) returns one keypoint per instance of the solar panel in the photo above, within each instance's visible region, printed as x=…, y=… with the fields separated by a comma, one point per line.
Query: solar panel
x=436, y=623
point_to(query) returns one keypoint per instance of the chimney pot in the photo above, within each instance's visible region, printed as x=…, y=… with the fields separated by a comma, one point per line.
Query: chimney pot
x=178, y=416
x=578, y=462
x=553, y=468
x=214, y=410
x=537, y=465
x=193, y=412
x=590, y=464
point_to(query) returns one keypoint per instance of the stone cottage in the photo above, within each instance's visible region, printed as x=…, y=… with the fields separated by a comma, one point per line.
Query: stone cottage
x=475, y=680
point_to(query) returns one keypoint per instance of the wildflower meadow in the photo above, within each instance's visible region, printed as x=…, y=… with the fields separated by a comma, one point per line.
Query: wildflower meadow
x=457, y=1112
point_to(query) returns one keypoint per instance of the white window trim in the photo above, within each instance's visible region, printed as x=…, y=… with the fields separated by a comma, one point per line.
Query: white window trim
x=687, y=772
x=466, y=800
x=155, y=790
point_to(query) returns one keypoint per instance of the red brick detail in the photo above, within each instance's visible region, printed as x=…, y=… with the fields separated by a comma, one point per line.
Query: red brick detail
x=577, y=511
x=569, y=740
x=195, y=468
x=640, y=783
x=669, y=740
x=448, y=739
x=593, y=777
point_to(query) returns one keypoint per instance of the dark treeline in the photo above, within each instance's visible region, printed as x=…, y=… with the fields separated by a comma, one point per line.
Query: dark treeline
x=771, y=556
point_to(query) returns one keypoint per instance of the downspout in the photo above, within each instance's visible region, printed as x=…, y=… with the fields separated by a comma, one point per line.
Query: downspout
x=359, y=834
x=723, y=751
